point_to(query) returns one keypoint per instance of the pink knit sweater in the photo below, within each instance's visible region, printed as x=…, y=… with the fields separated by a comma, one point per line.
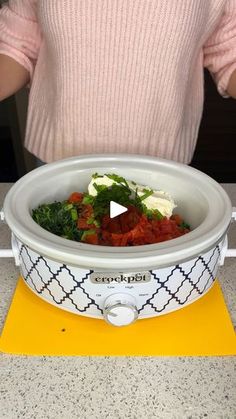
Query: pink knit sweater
x=118, y=76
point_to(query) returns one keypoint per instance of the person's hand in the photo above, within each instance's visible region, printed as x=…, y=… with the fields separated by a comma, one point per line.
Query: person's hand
x=13, y=76
x=231, y=89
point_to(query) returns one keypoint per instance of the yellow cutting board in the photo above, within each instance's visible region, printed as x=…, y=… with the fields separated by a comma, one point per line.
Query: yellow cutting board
x=35, y=327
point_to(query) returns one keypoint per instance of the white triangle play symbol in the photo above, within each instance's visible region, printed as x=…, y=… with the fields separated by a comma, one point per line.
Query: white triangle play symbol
x=116, y=209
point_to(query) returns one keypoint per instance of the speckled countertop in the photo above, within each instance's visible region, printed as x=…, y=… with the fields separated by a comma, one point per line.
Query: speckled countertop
x=116, y=387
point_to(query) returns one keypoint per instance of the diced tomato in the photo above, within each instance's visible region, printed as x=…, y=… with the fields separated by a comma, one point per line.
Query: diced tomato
x=129, y=219
x=91, y=238
x=82, y=224
x=177, y=219
x=131, y=228
x=87, y=211
x=105, y=238
x=114, y=226
x=124, y=239
x=105, y=221
x=85, y=215
x=116, y=239
x=75, y=197
x=166, y=228
x=123, y=223
x=150, y=237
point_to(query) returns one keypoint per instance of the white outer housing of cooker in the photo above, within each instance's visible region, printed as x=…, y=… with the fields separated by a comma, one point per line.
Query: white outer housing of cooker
x=84, y=291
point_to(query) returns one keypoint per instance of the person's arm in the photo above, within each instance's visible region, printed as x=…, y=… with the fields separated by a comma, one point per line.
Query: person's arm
x=20, y=40
x=231, y=89
x=13, y=76
x=220, y=52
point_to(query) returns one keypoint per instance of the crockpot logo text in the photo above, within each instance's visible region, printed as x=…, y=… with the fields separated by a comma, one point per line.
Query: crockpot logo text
x=129, y=278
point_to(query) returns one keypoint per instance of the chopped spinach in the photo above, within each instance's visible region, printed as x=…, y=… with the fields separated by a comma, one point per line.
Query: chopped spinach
x=59, y=218
x=119, y=193
x=184, y=226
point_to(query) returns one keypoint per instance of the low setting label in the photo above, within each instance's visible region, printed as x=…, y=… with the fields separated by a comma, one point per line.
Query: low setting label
x=114, y=277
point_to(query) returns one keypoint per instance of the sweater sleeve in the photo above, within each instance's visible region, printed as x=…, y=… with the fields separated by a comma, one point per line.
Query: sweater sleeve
x=20, y=36
x=220, y=49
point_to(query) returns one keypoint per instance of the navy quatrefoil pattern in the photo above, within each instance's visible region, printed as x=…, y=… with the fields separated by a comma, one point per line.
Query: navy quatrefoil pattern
x=70, y=288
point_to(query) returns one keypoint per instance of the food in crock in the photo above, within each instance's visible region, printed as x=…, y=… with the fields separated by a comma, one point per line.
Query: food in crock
x=85, y=216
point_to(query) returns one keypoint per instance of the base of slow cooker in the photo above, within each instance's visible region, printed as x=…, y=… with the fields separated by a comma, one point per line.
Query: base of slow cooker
x=140, y=317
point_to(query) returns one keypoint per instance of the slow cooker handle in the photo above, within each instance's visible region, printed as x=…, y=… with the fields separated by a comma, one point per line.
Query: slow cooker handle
x=225, y=252
x=14, y=251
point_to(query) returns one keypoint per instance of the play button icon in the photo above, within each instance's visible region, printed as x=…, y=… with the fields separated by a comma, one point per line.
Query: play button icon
x=116, y=209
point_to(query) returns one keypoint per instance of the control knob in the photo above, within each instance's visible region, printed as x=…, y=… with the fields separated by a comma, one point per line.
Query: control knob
x=120, y=309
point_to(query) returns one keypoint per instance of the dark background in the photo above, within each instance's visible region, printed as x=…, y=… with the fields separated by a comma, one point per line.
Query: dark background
x=215, y=153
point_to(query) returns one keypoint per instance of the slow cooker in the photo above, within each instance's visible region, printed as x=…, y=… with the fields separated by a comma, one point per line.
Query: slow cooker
x=119, y=284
